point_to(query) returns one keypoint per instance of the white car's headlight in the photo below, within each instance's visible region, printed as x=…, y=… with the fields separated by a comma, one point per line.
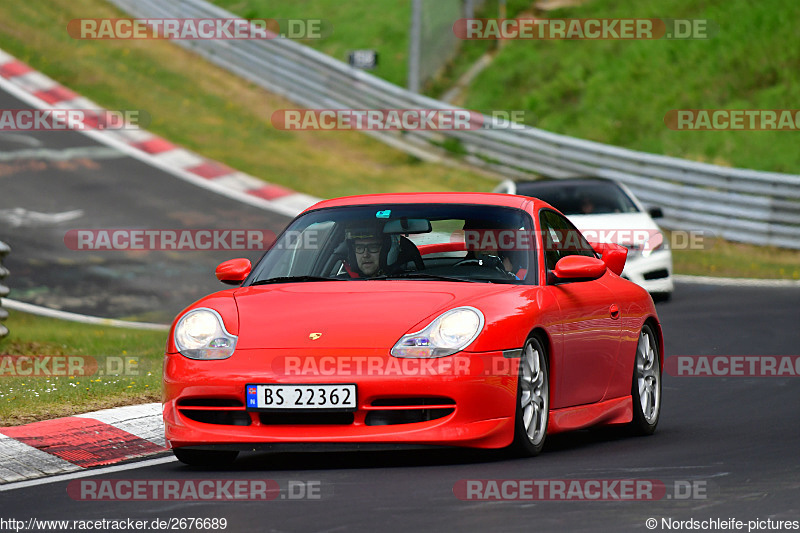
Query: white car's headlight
x=654, y=243
x=449, y=333
x=200, y=334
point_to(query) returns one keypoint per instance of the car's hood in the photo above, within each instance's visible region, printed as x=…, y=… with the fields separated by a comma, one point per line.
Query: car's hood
x=347, y=314
x=619, y=228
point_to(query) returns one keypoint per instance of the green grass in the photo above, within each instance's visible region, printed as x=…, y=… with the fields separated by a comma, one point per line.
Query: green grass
x=618, y=92
x=127, y=369
x=205, y=109
x=366, y=24
x=722, y=258
x=356, y=24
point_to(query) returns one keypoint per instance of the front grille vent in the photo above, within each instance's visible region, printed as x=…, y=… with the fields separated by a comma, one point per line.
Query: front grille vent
x=306, y=419
x=405, y=416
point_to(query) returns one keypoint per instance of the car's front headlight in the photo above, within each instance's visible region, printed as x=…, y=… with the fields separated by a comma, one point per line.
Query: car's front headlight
x=449, y=333
x=655, y=243
x=200, y=334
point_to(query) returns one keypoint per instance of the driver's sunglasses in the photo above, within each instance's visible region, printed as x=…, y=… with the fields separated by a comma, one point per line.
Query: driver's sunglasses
x=373, y=248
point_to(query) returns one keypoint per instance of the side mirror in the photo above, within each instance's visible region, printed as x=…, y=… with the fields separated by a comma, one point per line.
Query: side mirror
x=233, y=272
x=579, y=268
x=613, y=255
x=655, y=212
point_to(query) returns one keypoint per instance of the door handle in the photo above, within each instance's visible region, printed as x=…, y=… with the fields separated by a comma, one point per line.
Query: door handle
x=614, y=311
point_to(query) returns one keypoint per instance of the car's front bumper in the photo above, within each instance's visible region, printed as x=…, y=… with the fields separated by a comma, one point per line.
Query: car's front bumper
x=652, y=272
x=461, y=400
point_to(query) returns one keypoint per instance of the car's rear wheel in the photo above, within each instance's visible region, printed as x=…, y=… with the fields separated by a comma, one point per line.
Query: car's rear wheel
x=533, y=399
x=208, y=458
x=646, y=387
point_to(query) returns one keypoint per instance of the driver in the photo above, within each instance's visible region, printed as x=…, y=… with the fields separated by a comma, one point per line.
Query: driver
x=365, y=253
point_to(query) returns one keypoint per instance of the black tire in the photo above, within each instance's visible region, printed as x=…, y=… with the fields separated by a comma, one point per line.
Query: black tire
x=533, y=400
x=646, y=386
x=207, y=458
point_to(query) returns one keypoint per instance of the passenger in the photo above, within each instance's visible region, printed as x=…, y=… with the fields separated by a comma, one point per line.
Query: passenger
x=514, y=262
x=587, y=206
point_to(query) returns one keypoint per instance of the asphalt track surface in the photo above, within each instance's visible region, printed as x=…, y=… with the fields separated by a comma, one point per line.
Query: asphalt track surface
x=736, y=440
x=53, y=182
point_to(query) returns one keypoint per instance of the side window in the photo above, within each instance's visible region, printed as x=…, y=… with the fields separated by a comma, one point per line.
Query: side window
x=560, y=239
x=299, y=250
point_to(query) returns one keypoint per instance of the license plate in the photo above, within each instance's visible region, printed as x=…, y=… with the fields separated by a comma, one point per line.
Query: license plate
x=305, y=396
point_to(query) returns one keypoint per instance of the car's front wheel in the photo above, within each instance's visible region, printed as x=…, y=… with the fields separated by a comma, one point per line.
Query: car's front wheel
x=533, y=399
x=646, y=387
x=207, y=458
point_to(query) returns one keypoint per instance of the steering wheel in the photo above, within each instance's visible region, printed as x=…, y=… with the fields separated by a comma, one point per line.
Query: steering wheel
x=490, y=261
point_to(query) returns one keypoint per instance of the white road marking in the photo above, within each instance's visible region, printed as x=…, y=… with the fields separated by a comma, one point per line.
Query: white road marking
x=20, y=138
x=736, y=282
x=75, y=317
x=64, y=154
x=19, y=217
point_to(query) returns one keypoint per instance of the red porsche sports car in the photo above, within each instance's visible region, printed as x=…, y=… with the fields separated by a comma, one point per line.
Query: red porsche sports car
x=457, y=319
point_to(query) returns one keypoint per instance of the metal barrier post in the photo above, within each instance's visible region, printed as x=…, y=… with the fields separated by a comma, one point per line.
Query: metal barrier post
x=4, y=250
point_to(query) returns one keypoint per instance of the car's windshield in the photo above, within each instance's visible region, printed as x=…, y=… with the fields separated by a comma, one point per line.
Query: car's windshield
x=589, y=197
x=450, y=242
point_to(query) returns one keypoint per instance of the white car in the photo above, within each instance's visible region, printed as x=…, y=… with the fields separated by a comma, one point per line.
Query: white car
x=607, y=211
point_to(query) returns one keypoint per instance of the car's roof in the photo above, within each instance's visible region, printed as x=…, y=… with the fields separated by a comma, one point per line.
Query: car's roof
x=479, y=198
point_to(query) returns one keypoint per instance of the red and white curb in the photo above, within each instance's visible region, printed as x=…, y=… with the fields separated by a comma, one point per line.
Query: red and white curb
x=41, y=92
x=79, y=442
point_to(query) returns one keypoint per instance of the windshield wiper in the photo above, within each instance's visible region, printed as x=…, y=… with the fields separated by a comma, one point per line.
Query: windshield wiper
x=423, y=275
x=291, y=279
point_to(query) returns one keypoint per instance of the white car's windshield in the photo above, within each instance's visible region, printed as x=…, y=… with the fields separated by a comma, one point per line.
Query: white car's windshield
x=584, y=197
x=472, y=243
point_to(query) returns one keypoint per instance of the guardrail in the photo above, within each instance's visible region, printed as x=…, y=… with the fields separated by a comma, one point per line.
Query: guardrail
x=4, y=250
x=736, y=204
